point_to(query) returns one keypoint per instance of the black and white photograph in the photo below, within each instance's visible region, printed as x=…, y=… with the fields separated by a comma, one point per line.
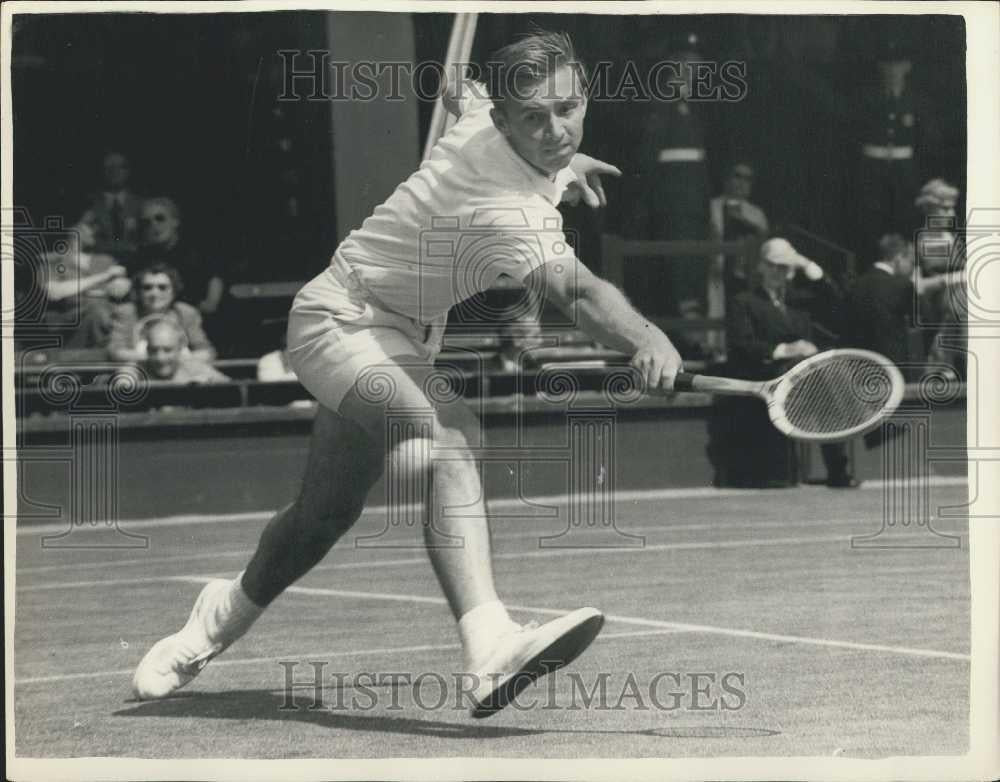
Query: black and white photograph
x=501, y=391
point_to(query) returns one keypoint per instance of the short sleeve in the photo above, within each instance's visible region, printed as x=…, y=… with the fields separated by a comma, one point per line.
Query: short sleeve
x=197, y=339
x=526, y=238
x=473, y=98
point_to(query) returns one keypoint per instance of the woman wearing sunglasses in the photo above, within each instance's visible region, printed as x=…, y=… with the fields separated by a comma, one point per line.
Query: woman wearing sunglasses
x=156, y=290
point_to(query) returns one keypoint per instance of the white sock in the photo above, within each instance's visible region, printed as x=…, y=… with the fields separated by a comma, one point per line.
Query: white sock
x=239, y=603
x=479, y=630
x=234, y=613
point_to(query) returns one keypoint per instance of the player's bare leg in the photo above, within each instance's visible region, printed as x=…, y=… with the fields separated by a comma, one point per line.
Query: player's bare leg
x=502, y=656
x=345, y=460
x=342, y=466
x=458, y=547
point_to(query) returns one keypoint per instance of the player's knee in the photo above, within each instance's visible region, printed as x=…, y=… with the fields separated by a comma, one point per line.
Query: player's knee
x=447, y=451
x=412, y=456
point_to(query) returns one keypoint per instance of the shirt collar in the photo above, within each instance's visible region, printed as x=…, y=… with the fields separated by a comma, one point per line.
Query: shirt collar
x=550, y=189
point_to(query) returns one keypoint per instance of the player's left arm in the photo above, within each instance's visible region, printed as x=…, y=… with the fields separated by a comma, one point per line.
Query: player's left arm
x=604, y=313
x=588, y=186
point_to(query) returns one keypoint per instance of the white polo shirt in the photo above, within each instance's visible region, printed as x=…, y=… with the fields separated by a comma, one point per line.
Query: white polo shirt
x=473, y=211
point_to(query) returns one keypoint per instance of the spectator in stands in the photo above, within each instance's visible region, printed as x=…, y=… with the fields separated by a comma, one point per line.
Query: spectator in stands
x=673, y=188
x=936, y=201
x=765, y=338
x=114, y=211
x=81, y=289
x=162, y=243
x=941, y=260
x=167, y=359
x=890, y=125
x=733, y=217
x=881, y=303
x=157, y=287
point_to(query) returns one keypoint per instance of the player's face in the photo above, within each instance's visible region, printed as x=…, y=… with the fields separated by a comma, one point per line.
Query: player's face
x=545, y=124
x=156, y=293
x=163, y=353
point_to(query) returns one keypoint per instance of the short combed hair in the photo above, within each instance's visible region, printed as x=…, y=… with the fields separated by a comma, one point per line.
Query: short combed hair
x=527, y=61
x=891, y=245
x=160, y=267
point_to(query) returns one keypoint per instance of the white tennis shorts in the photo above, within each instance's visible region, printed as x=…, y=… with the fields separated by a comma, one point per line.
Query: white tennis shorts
x=337, y=333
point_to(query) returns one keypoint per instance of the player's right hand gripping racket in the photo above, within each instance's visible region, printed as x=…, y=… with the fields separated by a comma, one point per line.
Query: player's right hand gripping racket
x=829, y=396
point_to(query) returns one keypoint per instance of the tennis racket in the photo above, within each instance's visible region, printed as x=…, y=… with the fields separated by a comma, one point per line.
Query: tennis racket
x=830, y=396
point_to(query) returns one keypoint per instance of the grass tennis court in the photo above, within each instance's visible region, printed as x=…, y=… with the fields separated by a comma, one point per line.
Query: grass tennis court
x=835, y=650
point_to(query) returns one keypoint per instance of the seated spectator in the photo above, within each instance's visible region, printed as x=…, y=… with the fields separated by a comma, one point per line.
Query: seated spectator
x=944, y=310
x=114, y=211
x=162, y=243
x=166, y=358
x=156, y=295
x=766, y=337
x=81, y=289
x=733, y=217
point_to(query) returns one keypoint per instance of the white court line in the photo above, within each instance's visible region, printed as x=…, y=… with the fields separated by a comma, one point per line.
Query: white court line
x=417, y=543
x=420, y=560
x=633, y=620
x=656, y=624
x=631, y=495
x=316, y=656
x=549, y=553
x=679, y=626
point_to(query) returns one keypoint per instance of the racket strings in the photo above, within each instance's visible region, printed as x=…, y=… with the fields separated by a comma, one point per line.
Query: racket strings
x=838, y=395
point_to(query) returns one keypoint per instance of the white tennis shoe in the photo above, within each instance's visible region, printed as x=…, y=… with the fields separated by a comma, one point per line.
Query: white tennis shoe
x=215, y=623
x=528, y=653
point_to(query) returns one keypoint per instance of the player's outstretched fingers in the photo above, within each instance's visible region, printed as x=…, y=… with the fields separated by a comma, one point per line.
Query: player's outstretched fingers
x=597, y=186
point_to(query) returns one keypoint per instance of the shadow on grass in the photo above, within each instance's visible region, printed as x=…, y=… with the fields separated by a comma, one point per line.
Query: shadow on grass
x=266, y=704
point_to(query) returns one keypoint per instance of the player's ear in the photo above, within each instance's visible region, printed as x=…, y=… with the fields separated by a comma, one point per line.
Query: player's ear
x=500, y=120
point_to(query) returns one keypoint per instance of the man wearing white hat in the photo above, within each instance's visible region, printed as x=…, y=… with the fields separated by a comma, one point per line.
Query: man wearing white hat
x=765, y=336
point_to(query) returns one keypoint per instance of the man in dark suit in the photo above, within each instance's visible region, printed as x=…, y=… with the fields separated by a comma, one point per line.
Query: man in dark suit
x=882, y=300
x=765, y=337
x=114, y=211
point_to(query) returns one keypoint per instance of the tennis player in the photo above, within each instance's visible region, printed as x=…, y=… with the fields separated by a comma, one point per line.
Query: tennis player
x=362, y=337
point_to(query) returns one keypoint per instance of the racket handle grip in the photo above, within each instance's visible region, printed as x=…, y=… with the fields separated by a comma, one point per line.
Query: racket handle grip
x=684, y=381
